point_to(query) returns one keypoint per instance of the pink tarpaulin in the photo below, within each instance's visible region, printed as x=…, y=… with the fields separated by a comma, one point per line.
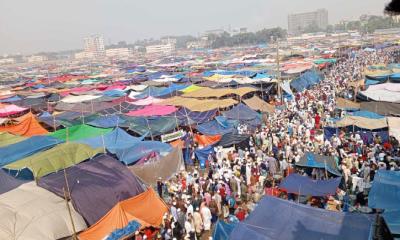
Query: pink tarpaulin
x=116, y=87
x=7, y=110
x=147, y=101
x=75, y=90
x=152, y=110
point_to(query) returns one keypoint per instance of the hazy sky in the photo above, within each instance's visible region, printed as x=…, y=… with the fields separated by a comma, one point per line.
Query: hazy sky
x=28, y=26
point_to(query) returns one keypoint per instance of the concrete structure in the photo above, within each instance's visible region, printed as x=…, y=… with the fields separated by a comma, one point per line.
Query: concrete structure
x=84, y=55
x=4, y=61
x=160, y=49
x=36, y=59
x=94, y=45
x=297, y=23
x=119, y=52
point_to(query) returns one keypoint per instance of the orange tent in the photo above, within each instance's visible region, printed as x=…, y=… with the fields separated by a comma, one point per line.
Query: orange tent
x=178, y=143
x=26, y=125
x=146, y=208
x=205, y=140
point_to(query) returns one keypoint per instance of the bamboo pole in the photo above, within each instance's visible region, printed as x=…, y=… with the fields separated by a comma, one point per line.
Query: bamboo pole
x=67, y=195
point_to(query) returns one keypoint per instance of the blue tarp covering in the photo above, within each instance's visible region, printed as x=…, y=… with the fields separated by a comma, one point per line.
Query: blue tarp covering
x=275, y=218
x=319, y=161
x=124, y=232
x=366, y=114
x=303, y=185
x=187, y=117
x=385, y=191
x=241, y=112
x=114, y=93
x=10, y=99
x=141, y=149
x=154, y=126
x=214, y=128
x=202, y=154
x=222, y=230
x=329, y=132
x=8, y=182
x=107, y=121
x=392, y=218
x=116, y=139
x=305, y=81
x=32, y=145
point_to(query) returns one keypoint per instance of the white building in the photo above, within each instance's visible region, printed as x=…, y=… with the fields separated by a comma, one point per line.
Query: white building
x=119, y=52
x=84, y=55
x=4, y=61
x=94, y=45
x=36, y=58
x=160, y=49
x=297, y=23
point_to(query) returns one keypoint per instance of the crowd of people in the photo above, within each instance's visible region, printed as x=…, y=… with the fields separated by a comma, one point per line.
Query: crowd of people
x=236, y=178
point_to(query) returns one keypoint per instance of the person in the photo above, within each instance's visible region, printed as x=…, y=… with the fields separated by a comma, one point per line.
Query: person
x=198, y=223
x=206, y=217
x=160, y=186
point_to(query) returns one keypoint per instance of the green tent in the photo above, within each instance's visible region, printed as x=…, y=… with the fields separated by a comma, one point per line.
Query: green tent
x=62, y=156
x=325, y=60
x=8, y=139
x=78, y=132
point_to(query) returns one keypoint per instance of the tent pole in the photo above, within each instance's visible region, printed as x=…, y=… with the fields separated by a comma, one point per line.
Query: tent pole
x=66, y=197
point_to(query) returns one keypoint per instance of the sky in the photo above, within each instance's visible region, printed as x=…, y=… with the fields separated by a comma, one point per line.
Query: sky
x=29, y=26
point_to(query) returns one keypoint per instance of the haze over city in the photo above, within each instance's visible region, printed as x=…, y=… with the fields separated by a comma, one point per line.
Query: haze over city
x=61, y=25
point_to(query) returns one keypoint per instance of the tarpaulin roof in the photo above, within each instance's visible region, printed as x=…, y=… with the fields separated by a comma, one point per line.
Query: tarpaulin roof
x=116, y=139
x=305, y=81
x=61, y=156
x=258, y=104
x=25, y=148
x=362, y=122
x=366, y=114
x=141, y=149
x=392, y=219
x=303, y=185
x=187, y=117
x=107, y=121
x=146, y=208
x=95, y=186
x=346, y=104
x=203, y=153
x=152, y=125
x=198, y=105
x=275, y=218
x=78, y=132
x=8, y=182
x=381, y=95
x=7, y=110
x=153, y=110
x=219, y=92
x=385, y=191
x=165, y=167
x=30, y=212
x=214, y=128
x=383, y=108
x=230, y=139
x=27, y=126
x=147, y=101
x=319, y=161
x=191, y=88
x=7, y=139
x=241, y=112
x=222, y=230
x=394, y=127
x=205, y=140
x=80, y=98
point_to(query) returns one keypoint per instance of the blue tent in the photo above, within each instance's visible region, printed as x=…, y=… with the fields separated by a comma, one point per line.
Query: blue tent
x=222, y=230
x=385, y=191
x=10, y=99
x=107, y=121
x=241, y=112
x=141, y=149
x=32, y=145
x=303, y=185
x=275, y=219
x=187, y=117
x=366, y=114
x=114, y=93
x=305, y=81
x=319, y=161
x=214, y=128
x=202, y=154
x=392, y=219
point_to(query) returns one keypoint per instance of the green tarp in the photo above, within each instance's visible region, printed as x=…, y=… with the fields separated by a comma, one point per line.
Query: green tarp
x=78, y=132
x=7, y=139
x=62, y=156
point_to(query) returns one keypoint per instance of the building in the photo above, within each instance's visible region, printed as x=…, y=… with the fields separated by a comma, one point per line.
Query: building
x=94, y=45
x=84, y=55
x=4, y=61
x=299, y=22
x=160, y=49
x=36, y=59
x=119, y=52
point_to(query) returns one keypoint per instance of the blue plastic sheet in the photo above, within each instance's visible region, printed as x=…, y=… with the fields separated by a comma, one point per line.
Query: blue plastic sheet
x=366, y=114
x=141, y=149
x=385, y=191
x=124, y=232
x=8, y=182
x=319, y=161
x=241, y=112
x=107, y=121
x=202, y=155
x=214, y=128
x=303, y=185
x=222, y=230
x=305, y=81
x=187, y=117
x=392, y=219
x=275, y=218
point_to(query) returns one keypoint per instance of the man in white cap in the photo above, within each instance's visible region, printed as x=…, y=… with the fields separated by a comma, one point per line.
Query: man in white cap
x=206, y=215
x=198, y=222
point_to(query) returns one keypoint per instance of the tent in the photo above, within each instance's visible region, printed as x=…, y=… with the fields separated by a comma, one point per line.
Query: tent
x=10, y=109
x=152, y=110
x=219, y=92
x=8, y=182
x=26, y=125
x=214, y=128
x=385, y=191
x=346, y=104
x=366, y=114
x=141, y=149
x=61, y=156
x=241, y=112
x=146, y=208
x=78, y=132
x=222, y=230
x=394, y=127
x=8, y=139
x=275, y=219
x=382, y=108
x=392, y=219
x=188, y=117
x=107, y=121
x=25, y=148
x=152, y=126
x=305, y=81
x=319, y=161
x=303, y=185
x=231, y=139
x=258, y=104
x=165, y=167
x=30, y=212
x=95, y=186
x=203, y=153
x=198, y=105
x=362, y=122
x=205, y=140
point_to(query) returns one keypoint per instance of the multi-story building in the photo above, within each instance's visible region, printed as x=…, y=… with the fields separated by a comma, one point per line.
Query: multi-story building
x=36, y=58
x=94, y=45
x=4, y=61
x=299, y=22
x=160, y=49
x=119, y=52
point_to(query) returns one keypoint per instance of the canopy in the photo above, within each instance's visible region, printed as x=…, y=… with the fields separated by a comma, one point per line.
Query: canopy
x=165, y=167
x=241, y=112
x=188, y=117
x=258, y=104
x=79, y=99
x=305, y=81
x=230, y=139
x=78, y=132
x=319, y=161
x=214, y=128
x=7, y=110
x=153, y=110
x=8, y=182
x=219, y=92
x=382, y=108
x=154, y=126
x=61, y=156
x=27, y=126
x=362, y=122
x=141, y=149
x=146, y=208
x=366, y=114
x=30, y=212
x=95, y=186
x=275, y=218
x=346, y=104
x=394, y=127
x=222, y=230
x=303, y=185
x=16, y=151
x=7, y=139
x=382, y=95
x=392, y=218
x=385, y=191
x=107, y=121
x=205, y=140
x=198, y=105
